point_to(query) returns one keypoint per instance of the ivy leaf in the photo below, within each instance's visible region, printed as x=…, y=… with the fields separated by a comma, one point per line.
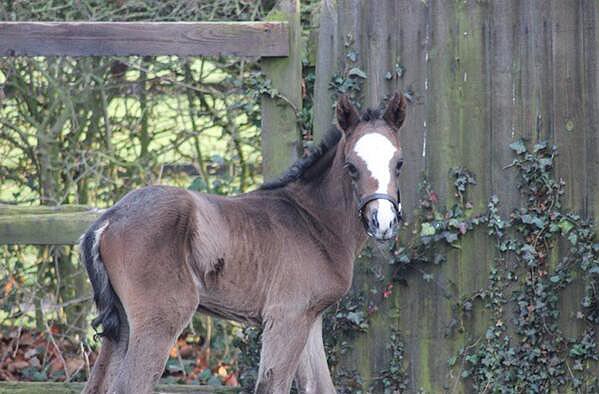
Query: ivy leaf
x=530, y=219
x=355, y=317
x=577, y=350
x=565, y=226
x=352, y=55
x=427, y=277
x=518, y=146
x=404, y=258
x=540, y=146
x=439, y=258
x=356, y=72
x=450, y=237
x=427, y=230
x=573, y=238
x=198, y=184
x=452, y=360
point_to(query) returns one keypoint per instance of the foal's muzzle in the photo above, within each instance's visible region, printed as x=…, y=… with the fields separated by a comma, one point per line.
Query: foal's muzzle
x=382, y=222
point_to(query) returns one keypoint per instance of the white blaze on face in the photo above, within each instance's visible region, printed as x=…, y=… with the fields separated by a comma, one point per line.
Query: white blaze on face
x=377, y=151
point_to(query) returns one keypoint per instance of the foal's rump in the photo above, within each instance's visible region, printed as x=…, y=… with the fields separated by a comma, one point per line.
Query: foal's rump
x=130, y=248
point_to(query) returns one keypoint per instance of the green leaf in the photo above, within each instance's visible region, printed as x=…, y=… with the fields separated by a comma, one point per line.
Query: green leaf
x=452, y=360
x=205, y=375
x=531, y=219
x=356, y=72
x=573, y=238
x=355, y=317
x=565, y=226
x=427, y=230
x=214, y=381
x=352, y=55
x=555, y=279
x=198, y=184
x=518, y=146
x=539, y=146
x=450, y=237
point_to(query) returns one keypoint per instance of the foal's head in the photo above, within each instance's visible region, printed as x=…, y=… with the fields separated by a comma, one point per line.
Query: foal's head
x=373, y=161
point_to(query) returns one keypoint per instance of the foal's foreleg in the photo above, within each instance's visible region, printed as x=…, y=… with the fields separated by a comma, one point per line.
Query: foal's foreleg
x=283, y=341
x=313, y=375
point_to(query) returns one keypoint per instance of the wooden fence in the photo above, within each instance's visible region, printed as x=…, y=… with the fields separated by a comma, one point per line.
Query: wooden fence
x=276, y=41
x=481, y=74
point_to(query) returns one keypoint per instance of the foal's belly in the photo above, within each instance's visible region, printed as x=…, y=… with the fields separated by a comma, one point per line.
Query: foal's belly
x=232, y=293
x=215, y=307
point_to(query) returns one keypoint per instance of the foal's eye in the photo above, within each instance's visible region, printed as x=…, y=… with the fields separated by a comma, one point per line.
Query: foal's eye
x=352, y=170
x=398, y=167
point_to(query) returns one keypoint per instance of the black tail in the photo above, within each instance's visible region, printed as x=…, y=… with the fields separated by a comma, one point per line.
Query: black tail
x=107, y=302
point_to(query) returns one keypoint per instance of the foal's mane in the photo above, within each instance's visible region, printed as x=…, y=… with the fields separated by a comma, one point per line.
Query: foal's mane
x=299, y=169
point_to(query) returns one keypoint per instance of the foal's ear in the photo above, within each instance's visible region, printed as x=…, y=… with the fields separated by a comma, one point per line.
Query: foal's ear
x=347, y=115
x=395, y=113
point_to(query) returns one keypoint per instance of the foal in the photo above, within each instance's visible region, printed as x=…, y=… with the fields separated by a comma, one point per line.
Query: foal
x=277, y=256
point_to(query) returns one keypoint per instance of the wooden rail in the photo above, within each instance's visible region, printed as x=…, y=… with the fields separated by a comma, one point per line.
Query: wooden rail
x=266, y=39
x=67, y=388
x=62, y=225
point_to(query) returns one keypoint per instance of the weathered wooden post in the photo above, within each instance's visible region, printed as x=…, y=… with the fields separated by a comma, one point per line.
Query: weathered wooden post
x=281, y=139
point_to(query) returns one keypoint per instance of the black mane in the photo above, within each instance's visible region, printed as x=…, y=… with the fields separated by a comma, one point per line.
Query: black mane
x=301, y=166
x=370, y=115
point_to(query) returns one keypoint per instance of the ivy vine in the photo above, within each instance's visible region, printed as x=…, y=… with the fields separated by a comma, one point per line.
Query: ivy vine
x=524, y=349
x=537, y=357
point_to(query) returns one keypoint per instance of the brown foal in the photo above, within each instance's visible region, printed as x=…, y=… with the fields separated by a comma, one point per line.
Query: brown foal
x=277, y=256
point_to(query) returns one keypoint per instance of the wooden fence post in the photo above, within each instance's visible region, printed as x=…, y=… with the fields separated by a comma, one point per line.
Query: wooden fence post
x=281, y=140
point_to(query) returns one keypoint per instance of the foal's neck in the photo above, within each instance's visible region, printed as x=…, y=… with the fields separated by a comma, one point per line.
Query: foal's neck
x=330, y=200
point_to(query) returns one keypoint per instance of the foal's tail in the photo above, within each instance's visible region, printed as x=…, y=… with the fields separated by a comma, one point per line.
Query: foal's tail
x=107, y=302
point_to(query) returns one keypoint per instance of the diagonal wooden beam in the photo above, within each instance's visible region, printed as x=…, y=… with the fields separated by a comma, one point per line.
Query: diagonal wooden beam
x=266, y=39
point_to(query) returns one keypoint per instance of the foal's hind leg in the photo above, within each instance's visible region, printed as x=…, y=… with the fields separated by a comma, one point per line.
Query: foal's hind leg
x=159, y=297
x=111, y=356
x=95, y=382
x=155, y=322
